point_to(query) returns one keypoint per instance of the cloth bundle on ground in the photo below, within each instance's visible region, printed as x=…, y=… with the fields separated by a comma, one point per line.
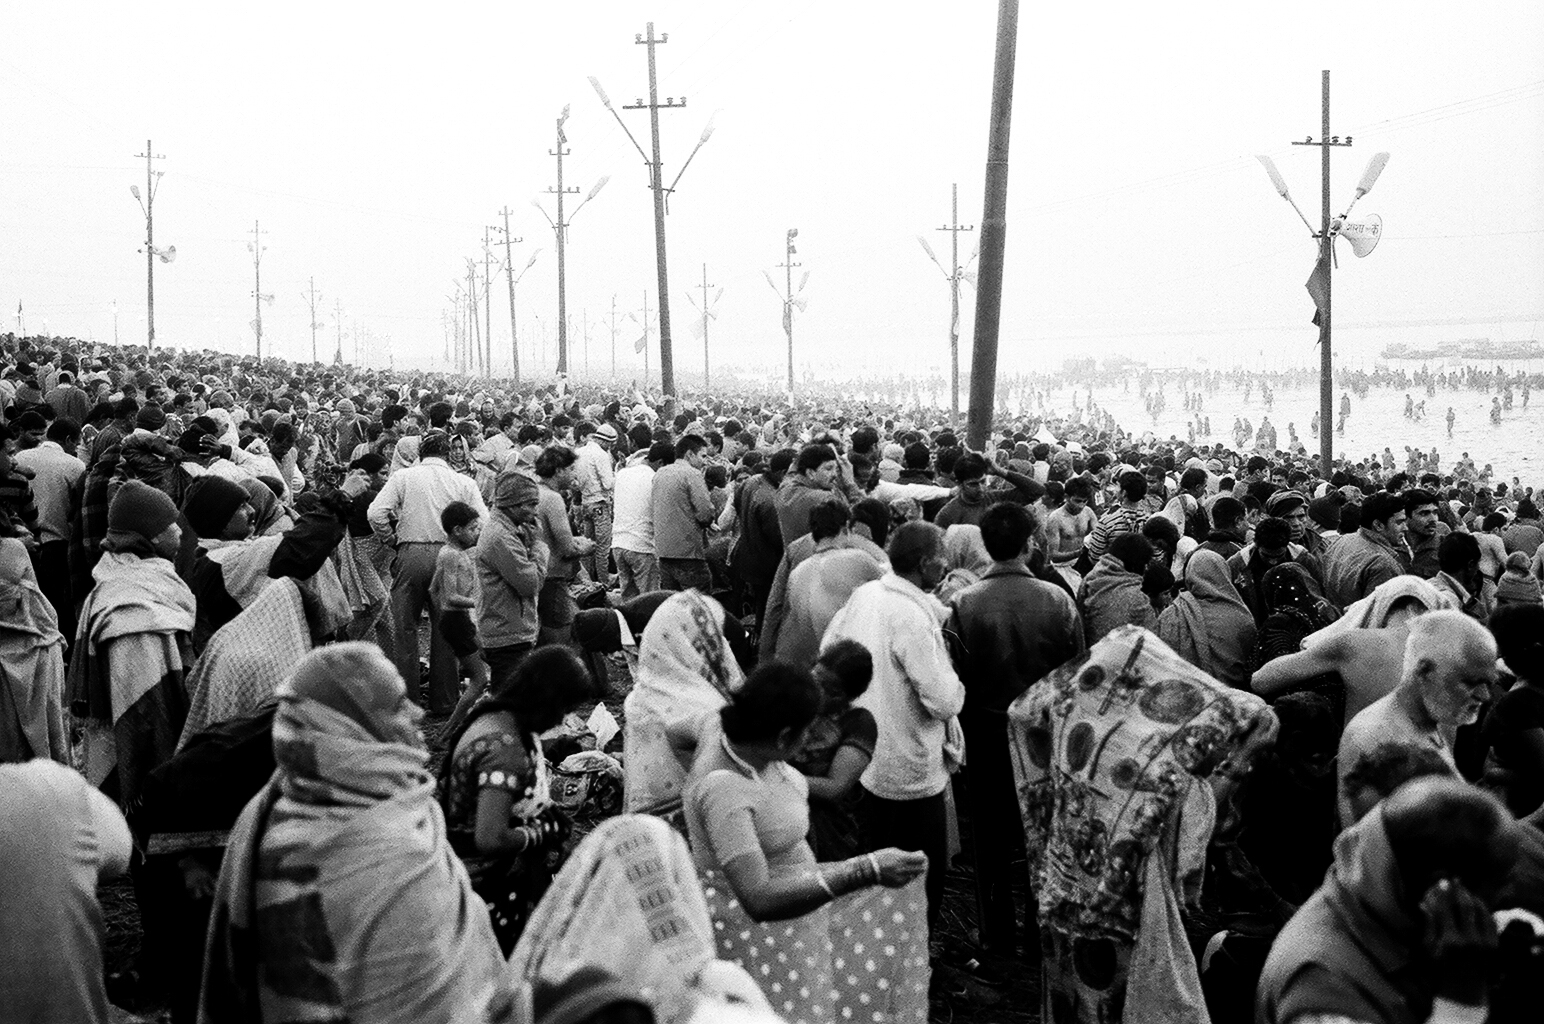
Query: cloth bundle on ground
x=686, y=669
x=340, y=898
x=1111, y=754
x=628, y=904
x=31, y=664
x=247, y=658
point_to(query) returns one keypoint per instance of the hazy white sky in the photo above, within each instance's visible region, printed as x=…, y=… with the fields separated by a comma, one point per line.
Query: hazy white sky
x=374, y=143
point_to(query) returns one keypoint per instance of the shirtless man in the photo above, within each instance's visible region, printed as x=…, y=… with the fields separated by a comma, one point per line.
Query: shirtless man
x=1449, y=661
x=1369, y=660
x=1066, y=526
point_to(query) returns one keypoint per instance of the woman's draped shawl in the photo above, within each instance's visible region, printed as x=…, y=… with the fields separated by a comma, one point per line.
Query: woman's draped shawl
x=1209, y=625
x=628, y=902
x=340, y=883
x=1109, y=752
x=244, y=568
x=1372, y=611
x=133, y=634
x=246, y=659
x=31, y=660
x=686, y=669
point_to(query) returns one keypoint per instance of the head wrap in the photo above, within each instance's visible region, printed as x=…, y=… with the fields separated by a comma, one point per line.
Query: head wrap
x=210, y=502
x=150, y=417
x=140, y=508
x=513, y=487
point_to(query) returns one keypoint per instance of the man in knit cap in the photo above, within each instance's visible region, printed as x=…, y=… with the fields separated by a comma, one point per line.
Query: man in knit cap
x=233, y=567
x=133, y=647
x=511, y=568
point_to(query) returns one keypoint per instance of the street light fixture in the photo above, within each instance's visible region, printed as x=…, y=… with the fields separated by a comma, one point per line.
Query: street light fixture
x=1363, y=237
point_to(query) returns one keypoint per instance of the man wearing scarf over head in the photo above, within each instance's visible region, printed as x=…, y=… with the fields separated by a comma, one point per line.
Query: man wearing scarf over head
x=134, y=643
x=339, y=897
x=233, y=567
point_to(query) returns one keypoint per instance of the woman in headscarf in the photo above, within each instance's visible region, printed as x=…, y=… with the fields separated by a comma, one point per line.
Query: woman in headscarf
x=1294, y=607
x=339, y=897
x=1208, y=624
x=628, y=910
x=404, y=453
x=687, y=670
x=269, y=515
x=31, y=664
x=1115, y=758
x=792, y=922
x=496, y=790
x=967, y=559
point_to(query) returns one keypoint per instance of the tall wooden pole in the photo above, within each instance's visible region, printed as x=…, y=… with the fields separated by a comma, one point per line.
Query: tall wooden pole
x=994, y=233
x=1326, y=363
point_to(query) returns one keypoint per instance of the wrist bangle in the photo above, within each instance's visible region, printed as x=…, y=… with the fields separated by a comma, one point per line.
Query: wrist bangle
x=873, y=861
x=820, y=876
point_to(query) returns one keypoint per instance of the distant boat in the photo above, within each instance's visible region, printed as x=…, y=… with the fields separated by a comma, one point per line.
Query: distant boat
x=1467, y=348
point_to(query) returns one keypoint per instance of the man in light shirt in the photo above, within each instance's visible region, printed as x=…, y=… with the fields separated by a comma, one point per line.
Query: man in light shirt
x=406, y=517
x=55, y=470
x=632, y=535
x=596, y=478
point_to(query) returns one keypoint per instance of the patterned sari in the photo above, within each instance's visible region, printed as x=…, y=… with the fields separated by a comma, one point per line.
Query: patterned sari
x=1112, y=754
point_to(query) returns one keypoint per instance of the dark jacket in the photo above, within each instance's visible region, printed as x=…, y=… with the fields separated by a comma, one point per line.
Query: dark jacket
x=796, y=497
x=760, y=547
x=1011, y=629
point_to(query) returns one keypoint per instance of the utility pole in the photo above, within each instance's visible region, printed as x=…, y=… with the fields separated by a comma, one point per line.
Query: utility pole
x=666, y=358
x=705, y=286
x=313, y=296
x=337, y=356
x=488, y=302
x=509, y=271
x=645, y=337
x=1322, y=272
x=994, y=232
x=474, y=332
x=954, y=228
x=613, y=334
x=561, y=228
x=152, y=184
x=586, y=314
x=788, y=264
x=256, y=245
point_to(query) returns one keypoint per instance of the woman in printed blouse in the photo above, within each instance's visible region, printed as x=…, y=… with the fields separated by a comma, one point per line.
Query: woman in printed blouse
x=496, y=791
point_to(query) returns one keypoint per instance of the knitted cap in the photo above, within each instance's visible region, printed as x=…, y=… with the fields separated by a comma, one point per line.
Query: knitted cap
x=210, y=502
x=1518, y=588
x=140, y=508
x=606, y=432
x=513, y=487
x=151, y=417
x=1325, y=512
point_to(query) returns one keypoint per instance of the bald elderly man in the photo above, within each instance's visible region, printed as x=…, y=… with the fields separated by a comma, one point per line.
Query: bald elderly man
x=1449, y=663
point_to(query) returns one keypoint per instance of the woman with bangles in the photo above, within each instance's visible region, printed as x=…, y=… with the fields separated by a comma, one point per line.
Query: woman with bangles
x=844, y=940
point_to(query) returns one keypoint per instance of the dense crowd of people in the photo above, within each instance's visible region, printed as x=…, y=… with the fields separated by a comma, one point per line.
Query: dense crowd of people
x=1217, y=733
